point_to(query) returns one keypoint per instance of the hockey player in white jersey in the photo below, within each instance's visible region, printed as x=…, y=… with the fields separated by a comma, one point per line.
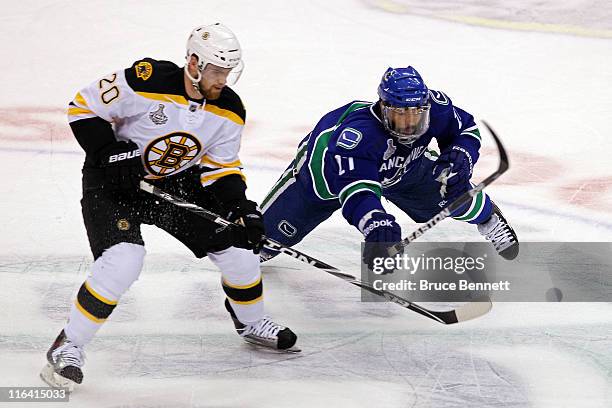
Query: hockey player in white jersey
x=180, y=129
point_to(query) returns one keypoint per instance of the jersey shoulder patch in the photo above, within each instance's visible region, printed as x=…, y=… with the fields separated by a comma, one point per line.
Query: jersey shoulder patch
x=149, y=75
x=439, y=98
x=229, y=101
x=349, y=138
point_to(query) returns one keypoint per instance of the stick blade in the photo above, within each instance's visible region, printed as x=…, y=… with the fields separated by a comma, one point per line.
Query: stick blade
x=473, y=309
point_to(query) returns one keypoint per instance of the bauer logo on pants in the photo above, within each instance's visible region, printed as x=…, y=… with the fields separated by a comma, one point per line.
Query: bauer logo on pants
x=170, y=153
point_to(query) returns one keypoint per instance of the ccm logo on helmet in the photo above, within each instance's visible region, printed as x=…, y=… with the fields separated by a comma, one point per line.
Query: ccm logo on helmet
x=123, y=156
x=376, y=224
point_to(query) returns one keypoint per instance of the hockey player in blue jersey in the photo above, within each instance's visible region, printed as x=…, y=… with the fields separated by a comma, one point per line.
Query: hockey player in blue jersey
x=363, y=151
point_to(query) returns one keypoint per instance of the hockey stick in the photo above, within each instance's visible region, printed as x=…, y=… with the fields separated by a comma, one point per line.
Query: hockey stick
x=461, y=200
x=465, y=312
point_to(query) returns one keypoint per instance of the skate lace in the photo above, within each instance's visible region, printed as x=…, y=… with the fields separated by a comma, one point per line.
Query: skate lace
x=500, y=236
x=265, y=328
x=69, y=354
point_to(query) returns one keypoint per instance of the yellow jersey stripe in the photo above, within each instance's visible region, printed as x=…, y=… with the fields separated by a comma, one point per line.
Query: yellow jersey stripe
x=164, y=97
x=217, y=176
x=208, y=160
x=79, y=111
x=99, y=296
x=228, y=114
x=80, y=100
x=87, y=314
x=250, y=285
x=248, y=302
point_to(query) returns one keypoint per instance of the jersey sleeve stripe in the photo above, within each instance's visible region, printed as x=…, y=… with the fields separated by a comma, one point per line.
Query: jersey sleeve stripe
x=80, y=101
x=476, y=207
x=208, y=160
x=78, y=111
x=228, y=114
x=358, y=186
x=210, y=177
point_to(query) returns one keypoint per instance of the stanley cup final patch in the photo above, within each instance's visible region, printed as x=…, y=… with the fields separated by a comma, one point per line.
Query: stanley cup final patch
x=390, y=150
x=158, y=116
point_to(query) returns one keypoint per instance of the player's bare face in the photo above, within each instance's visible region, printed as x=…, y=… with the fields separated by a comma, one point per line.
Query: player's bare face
x=213, y=81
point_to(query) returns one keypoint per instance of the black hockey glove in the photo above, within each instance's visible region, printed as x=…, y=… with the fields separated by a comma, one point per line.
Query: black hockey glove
x=453, y=170
x=122, y=166
x=246, y=212
x=380, y=232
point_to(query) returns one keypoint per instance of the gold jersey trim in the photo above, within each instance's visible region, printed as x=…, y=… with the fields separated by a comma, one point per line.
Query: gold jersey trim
x=228, y=114
x=208, y=160
x=164, y=97
x=217, y=176
x=80, y=100
x=79, y=111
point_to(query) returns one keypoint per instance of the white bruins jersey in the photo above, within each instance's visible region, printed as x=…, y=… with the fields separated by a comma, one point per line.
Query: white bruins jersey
x=148, y=105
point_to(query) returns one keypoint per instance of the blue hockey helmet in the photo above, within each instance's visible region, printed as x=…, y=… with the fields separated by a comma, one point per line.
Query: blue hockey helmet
x=404, y=100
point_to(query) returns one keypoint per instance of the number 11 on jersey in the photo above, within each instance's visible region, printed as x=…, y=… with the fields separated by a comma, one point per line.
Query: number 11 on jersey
x=348, y=160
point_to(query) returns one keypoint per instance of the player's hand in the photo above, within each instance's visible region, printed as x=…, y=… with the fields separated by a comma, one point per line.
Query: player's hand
x=453, y=170
x=380, y=232
x=122, y=166
x=247, y=213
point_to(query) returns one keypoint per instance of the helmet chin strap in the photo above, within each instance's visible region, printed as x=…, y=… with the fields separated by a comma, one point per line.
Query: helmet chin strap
x=195, y=82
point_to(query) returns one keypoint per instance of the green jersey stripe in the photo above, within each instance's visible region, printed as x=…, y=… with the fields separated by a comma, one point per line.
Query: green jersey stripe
x=316, y=163
x=360, y=185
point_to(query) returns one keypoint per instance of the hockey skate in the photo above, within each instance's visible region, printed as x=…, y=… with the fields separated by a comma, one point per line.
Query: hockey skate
x=497, y=230
x=265, y=333
x=65, y=359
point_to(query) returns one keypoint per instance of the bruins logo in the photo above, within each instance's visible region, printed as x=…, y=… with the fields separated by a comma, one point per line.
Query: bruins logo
x=144, y=70
x=123, y=225
x=169, y=153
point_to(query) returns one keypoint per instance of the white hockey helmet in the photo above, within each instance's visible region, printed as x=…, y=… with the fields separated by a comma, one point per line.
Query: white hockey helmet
x=216, y=44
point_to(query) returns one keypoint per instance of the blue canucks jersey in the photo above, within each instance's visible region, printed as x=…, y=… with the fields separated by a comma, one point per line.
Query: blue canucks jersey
x=349, y=156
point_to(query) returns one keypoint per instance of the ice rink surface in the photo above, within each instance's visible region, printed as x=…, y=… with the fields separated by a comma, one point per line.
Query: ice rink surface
x=170, y=343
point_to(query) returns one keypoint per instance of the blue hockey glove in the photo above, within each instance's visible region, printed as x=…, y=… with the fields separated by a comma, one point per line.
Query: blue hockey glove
x=453, y=170
x=380, y=231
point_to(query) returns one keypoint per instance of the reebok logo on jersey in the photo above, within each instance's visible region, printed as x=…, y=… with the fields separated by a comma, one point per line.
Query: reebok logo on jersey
x=374, y=225
x=123, y=156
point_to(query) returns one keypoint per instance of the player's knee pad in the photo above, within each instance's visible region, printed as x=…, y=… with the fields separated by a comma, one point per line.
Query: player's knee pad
x=111, y=275
x=116, y=270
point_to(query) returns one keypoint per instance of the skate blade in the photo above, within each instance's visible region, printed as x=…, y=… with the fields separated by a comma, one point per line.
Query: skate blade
x=55, y=380
x=272, y=347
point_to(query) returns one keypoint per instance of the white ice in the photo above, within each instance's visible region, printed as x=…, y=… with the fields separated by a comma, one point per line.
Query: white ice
x=170, y=343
